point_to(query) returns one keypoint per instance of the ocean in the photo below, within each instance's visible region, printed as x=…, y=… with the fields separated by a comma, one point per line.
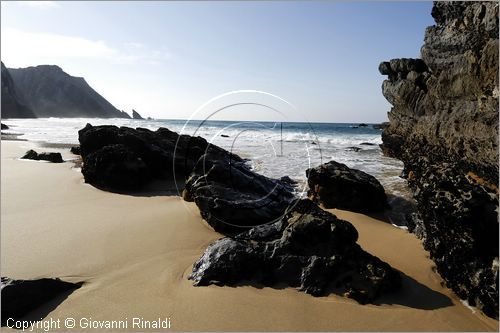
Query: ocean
x=273, y=149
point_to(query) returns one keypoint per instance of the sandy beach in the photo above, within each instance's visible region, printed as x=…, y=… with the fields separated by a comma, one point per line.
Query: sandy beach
x=134, y=253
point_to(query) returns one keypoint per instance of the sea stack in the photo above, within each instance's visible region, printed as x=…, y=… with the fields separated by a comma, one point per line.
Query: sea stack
x=444, y=127
x=136, y=115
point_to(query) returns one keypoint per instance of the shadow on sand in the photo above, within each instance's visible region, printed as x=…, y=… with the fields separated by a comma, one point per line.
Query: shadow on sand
x=412, y=294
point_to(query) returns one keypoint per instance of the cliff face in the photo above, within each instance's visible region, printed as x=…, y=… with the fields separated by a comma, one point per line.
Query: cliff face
x=50, y=92
x=11, y=104
x=444, y=127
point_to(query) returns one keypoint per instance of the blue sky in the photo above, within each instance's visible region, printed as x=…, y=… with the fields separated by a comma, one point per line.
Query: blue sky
x=165, y=59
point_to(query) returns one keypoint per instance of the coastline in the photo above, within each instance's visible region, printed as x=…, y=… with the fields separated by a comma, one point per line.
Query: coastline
x=134, y=253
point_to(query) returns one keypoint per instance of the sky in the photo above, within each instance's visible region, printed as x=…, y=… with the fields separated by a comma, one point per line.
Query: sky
x=167, y=59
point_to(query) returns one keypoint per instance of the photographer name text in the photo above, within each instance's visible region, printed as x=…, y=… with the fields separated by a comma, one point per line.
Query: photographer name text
x=88, y=323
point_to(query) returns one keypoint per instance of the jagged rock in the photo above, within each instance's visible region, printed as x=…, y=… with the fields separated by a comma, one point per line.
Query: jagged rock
x=289, y=181
x=231, y=197
x=4, y=126
x=75, y=150
x=19, y=297
x=308, y=248
x=444, y=127
x=136, y=115
x=51, y=157
x=335, y=185
x=123, y=158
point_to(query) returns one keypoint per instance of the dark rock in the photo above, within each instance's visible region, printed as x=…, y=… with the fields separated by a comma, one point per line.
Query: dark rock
x=363, y=125
x=19, y=297
x=122, y=158
x=444, y=127
x=50, y=92
x=335, y=185
x=12, y=103
x=355, y=149
x=308, y=248
x=289, y=181
x=136, y=115
x=231, y=197
x=51, y=157
x=224, y=136
x=75, y=150
x=4, y=126
x=366, y=144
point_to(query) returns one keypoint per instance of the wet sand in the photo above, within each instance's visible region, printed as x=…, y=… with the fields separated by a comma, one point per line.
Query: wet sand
x=133, y=254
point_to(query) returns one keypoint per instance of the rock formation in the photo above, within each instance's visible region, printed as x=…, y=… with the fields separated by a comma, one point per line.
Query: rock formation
x=50, y=92
x=136, y=115
x=50, y=157
x=231, y=197
x=12, y=106
x=308, y=248
x=20, y=297
x=335, y=185
x=444, y=127
x=123, y=158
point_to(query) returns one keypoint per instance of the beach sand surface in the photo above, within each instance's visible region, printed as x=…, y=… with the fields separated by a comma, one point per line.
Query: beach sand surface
x=133, y=254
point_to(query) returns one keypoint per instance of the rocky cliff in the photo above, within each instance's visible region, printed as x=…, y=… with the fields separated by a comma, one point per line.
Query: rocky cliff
x=11, y=104
x=50, y=92
x=444, y=127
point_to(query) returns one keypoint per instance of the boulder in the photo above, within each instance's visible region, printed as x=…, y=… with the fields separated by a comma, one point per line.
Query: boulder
x=50, y=157
x=123, y=158
x=307, y=248
x=4, y=126
x=19, y=297
x=75, y=150
x=335, y=185
x=444, y=127
x=231, y=197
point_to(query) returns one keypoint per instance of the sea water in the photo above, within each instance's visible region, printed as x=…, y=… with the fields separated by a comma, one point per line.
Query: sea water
x=273, y=149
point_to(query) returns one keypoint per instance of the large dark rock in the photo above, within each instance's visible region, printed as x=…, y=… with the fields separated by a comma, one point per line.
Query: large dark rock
x=4, y=126
x=444, y=127
x=19, y=297
x=50, y=92
x=308, y=248
x=335, y=185
x=75, y=150
x=12, y=104
x=123, y=158
x=231, y=197
x=51, y=157
x=136, y=115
